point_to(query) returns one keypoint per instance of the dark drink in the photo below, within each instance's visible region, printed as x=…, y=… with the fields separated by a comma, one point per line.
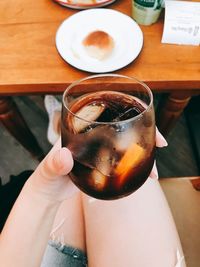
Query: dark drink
x=112, y=138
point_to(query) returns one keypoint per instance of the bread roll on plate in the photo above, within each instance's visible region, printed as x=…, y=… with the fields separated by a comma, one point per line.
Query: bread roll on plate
x=98, y=44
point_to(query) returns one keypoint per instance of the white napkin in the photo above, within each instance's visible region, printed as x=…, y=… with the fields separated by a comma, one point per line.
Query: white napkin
x=182, y=23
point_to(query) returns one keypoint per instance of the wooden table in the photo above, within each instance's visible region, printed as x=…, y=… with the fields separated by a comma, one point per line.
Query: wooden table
x=30, y=64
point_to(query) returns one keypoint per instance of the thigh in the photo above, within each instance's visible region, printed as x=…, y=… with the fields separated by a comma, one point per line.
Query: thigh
x=68, y=227
x=134, y=231
x=66, y=246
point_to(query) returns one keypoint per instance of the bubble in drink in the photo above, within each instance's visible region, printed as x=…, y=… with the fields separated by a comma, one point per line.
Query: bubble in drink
x=110, y=159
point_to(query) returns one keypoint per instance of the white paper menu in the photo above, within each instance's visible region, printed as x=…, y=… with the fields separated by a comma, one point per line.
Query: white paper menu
x=182, y=23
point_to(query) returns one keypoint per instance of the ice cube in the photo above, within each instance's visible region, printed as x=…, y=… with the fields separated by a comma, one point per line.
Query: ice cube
x=125, y=139
x=87, y=114
x=104, y=164
x=98, y=180
x=131, y=112
x=104, y=161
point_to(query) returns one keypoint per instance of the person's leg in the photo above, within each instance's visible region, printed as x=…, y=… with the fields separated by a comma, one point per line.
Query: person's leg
x=136, y=231
x=53, y=108
x=67, y=239
x=68, y=226
x=9, y=193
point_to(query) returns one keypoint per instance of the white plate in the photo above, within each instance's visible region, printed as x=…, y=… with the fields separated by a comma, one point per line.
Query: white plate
x=84, y=4
x=126, y=33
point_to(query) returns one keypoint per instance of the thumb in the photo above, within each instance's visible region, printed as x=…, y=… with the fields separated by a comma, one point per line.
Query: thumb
x=50, y=179
x=58, y=162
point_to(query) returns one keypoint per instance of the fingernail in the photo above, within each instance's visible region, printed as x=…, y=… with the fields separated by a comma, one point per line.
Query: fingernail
x=164, y=142
x=154, y=172
x=66, y=160
x=160, y=140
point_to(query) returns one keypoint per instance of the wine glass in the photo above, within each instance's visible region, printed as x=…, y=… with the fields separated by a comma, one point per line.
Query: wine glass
x=108, y=124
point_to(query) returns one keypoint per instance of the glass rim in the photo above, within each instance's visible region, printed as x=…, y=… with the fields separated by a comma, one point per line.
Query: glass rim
x=135, y=118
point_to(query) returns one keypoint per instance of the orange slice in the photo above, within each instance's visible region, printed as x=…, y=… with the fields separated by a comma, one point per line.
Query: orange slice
x=89, y=113
x=131, y=158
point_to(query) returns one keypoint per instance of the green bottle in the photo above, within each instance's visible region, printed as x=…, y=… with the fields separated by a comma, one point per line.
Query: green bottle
x=146, y=12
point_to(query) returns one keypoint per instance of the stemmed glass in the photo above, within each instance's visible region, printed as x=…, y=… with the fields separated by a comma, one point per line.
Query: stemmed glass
x=109, y=126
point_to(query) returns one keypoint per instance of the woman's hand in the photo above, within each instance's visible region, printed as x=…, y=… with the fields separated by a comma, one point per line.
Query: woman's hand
x=160, y=142
x=50, y=179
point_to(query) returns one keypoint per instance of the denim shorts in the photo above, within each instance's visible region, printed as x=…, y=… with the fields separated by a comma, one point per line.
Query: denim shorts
x=59, y=255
